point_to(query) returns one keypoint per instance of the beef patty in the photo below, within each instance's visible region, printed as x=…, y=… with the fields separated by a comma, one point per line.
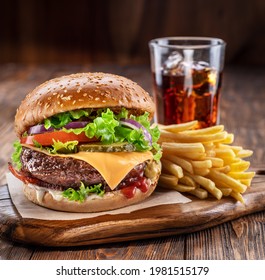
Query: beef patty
x=63, y=172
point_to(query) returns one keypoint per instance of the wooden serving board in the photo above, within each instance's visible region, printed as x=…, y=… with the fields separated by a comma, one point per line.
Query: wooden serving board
x=163, y=220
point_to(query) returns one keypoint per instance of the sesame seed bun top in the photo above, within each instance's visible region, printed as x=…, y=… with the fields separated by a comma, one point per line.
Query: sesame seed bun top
x=80, y=91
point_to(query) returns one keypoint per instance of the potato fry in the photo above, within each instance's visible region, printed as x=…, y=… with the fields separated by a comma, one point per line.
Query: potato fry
x=246, y=182
x=185, y=180
x=184, y=188
x=172, y=168
x=181, y=148
x=216, y=193
x=200, y=193
x=224, y=153
x=228, y=161
x=178, y=127
x=166, y=180
x=209, y=146
x=184, y=147
x=207, y=184
x=202, y=181
x=183, y=138
x=201, y=163
x=232, y=183
x=228, y=140
x=220, y=184
x=201, y=171
x=194, y=156
x=241, y=175
x=236, y=149
x=183, y=163
x=225, y=191
x=240, y=166
x=216, y=162
x=244, y=153
x=210, y=153
x=204, y=131
x=237, y=196
x=224, y=169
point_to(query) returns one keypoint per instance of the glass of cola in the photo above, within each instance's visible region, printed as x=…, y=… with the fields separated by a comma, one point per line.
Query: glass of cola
x=187, y=78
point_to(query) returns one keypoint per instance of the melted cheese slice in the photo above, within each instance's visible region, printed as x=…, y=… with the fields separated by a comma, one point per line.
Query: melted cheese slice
x=112, y=166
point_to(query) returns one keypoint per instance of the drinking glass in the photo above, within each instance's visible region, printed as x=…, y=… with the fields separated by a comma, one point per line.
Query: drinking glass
x=187, y=79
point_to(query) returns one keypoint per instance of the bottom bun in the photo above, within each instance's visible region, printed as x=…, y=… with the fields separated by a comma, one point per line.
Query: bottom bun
x=94, y=203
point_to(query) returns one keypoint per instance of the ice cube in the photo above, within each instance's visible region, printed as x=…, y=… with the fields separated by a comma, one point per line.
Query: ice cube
x=173, y=60
x=200, y=65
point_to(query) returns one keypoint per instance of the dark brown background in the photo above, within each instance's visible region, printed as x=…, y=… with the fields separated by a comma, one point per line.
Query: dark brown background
x=84, y=31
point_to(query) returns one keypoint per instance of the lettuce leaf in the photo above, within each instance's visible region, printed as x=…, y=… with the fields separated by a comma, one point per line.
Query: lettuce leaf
x=102, y=127
x=81, y=194
x=58, y=147
x=61, y=119
x=16, y=155
x=68, y=147
x=105, y=126
x=157, y=151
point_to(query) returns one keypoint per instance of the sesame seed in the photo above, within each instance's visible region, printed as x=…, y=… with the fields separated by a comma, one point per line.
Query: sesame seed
x=66, y=97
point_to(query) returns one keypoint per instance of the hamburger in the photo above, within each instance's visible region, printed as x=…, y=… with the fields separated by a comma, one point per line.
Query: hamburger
x=86, y=143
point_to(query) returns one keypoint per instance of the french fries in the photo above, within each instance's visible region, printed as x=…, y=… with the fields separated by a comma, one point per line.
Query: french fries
x=203, y=161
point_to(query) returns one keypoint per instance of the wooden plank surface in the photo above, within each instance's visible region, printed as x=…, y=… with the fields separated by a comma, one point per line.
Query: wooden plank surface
x=159, y=221
x=242, y=112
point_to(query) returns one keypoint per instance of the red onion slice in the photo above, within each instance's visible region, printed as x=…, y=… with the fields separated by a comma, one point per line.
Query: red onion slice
x=39, y=128
x=135, y=125
x=75, y=125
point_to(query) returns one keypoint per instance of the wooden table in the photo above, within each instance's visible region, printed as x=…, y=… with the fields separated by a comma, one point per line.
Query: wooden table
x=242, y=113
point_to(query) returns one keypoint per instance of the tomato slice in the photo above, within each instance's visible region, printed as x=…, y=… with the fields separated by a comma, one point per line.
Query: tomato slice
x=46, y=139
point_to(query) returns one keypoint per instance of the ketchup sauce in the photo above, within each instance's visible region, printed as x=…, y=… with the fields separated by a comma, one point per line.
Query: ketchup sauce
x=130, y=190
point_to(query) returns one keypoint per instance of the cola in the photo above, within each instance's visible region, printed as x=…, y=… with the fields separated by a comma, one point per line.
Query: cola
x=186, y=93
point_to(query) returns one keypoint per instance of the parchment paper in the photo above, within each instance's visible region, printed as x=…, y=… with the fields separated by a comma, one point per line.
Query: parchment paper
x=27, y=209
